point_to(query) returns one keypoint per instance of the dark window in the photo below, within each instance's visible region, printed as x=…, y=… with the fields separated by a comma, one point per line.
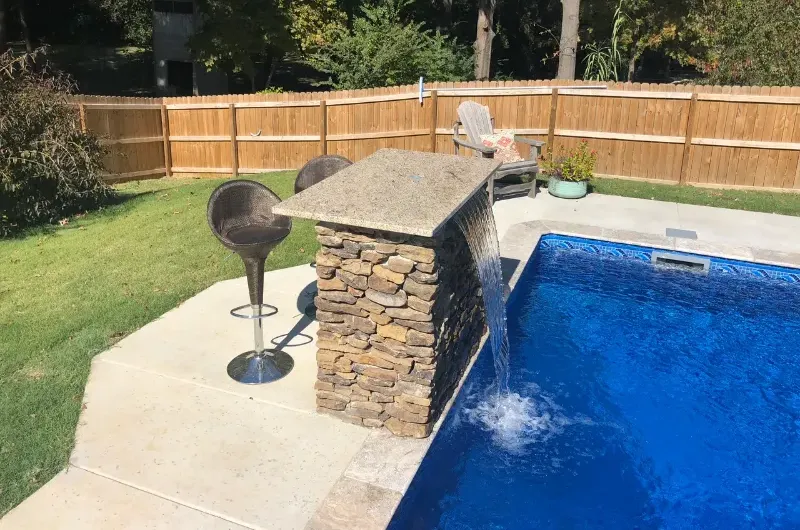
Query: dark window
x=180, y=78
x=174, y=6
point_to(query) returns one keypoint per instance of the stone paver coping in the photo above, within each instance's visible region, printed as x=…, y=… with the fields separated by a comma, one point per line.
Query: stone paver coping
x=400, y=191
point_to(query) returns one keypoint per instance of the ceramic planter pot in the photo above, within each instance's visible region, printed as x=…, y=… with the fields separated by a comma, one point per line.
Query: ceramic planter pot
x=566, y=189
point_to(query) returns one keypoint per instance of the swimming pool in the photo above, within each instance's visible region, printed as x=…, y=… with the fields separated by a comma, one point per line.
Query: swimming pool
x=661, y=398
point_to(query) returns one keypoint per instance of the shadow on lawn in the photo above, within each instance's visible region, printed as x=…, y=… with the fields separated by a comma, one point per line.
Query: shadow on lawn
x=117, y=203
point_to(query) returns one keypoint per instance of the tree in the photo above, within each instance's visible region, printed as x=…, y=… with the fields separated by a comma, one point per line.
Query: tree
x=241, y=35
x=752, y=42
x=134, y=18
x=381, y=50
x=639, y=26
x=652, y=25
x=314, y=23
x=568, y=47
x=483, y=40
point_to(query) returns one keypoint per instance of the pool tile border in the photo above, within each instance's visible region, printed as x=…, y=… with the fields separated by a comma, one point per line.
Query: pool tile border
x=621, y=250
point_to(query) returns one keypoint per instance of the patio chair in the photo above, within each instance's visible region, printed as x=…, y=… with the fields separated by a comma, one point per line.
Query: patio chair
x=316, y=170
x=240, y=216
x=477, y=121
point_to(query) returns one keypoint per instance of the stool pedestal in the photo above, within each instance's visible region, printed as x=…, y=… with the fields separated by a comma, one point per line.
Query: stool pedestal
x=259, y=365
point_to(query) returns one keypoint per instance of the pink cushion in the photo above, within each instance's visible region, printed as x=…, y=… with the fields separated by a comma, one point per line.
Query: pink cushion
x=506, y=147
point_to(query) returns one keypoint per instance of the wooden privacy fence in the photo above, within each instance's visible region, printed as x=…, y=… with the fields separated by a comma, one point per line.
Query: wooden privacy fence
x=702, y=135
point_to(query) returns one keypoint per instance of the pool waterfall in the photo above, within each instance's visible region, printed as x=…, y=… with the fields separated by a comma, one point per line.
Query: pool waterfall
x=514, y=420
x=476, y=222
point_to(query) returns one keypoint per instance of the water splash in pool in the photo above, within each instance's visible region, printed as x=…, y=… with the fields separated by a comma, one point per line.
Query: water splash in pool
x=476, y=222
x=515, y=421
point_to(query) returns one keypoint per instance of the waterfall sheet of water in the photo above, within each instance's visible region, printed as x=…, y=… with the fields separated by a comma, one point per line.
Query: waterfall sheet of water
x=514, y=420
x=476, y=222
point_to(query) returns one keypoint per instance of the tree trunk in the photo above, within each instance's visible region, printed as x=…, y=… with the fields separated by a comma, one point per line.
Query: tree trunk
x=3, y=34
x=631, y=67
x=23, y=22
x=273, y=66
x=568, y=47
x=483, y=42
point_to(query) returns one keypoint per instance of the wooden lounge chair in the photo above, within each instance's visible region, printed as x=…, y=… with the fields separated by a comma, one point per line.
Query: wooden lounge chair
x=476, y=120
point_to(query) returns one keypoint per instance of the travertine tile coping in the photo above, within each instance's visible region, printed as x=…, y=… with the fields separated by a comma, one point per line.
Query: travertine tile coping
x=400, y=191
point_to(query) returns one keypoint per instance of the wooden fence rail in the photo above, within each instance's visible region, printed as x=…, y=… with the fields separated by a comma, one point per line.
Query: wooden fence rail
x=702, y=135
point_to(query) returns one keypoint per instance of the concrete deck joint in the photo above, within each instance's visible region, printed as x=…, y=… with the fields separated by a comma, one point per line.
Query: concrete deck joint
x=168, y=498
x=209, y=387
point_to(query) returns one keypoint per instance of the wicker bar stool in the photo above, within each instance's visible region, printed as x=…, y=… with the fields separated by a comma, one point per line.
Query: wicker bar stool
x=240, y=216
x=318, y=169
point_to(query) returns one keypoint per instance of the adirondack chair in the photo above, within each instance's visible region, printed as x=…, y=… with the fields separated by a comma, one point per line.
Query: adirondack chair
x=476, y=120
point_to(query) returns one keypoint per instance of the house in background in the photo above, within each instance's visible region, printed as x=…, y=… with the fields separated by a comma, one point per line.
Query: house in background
x=176, y=74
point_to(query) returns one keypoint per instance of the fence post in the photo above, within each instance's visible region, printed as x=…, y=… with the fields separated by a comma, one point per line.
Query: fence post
x=82, y=115
x=551, y=128
x=234, y=144
x=434, y=117
x=165, y=133
x=323, y=127
x=687, y=143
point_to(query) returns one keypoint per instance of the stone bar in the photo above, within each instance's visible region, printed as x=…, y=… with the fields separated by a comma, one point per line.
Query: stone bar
x=399, y=301
x=399, y=318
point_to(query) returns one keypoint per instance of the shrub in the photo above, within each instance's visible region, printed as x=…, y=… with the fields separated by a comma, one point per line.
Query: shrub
x=575, y=165
x=381, y=50
x=49, y=168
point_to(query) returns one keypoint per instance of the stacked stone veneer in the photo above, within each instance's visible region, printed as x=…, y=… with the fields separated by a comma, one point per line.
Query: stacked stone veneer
x=399, y=318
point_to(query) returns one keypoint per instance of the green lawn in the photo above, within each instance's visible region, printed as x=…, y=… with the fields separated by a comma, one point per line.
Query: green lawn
x=755, y=201
x=69, y=293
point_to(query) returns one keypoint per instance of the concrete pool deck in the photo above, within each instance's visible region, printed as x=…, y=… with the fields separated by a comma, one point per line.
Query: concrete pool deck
x=167, y=440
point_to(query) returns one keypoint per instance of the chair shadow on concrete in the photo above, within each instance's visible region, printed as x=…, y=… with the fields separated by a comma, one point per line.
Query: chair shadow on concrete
x=295, y=337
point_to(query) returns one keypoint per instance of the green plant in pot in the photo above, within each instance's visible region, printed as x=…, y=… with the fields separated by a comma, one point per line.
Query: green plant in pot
x=569, y=171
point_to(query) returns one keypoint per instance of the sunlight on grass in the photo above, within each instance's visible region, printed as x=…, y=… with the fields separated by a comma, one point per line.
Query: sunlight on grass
x=69, y=293
x=754, y=201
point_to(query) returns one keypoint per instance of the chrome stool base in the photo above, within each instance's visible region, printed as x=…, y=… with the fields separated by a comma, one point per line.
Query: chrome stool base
x=251, y=368
x=259, y=365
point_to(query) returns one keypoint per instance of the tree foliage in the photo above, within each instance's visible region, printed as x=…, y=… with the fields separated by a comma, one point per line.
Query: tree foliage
x=237, y=35
x=49, y=168
x=314, y=23
x=636, y=27
x=382, y=50
x=752, y=42
x=134, y=17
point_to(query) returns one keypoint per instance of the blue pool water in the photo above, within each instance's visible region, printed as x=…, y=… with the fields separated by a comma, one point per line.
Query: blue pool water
x=660, y=399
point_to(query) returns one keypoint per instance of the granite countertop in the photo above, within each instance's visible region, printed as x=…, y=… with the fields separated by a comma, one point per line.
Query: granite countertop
x=399, y=191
